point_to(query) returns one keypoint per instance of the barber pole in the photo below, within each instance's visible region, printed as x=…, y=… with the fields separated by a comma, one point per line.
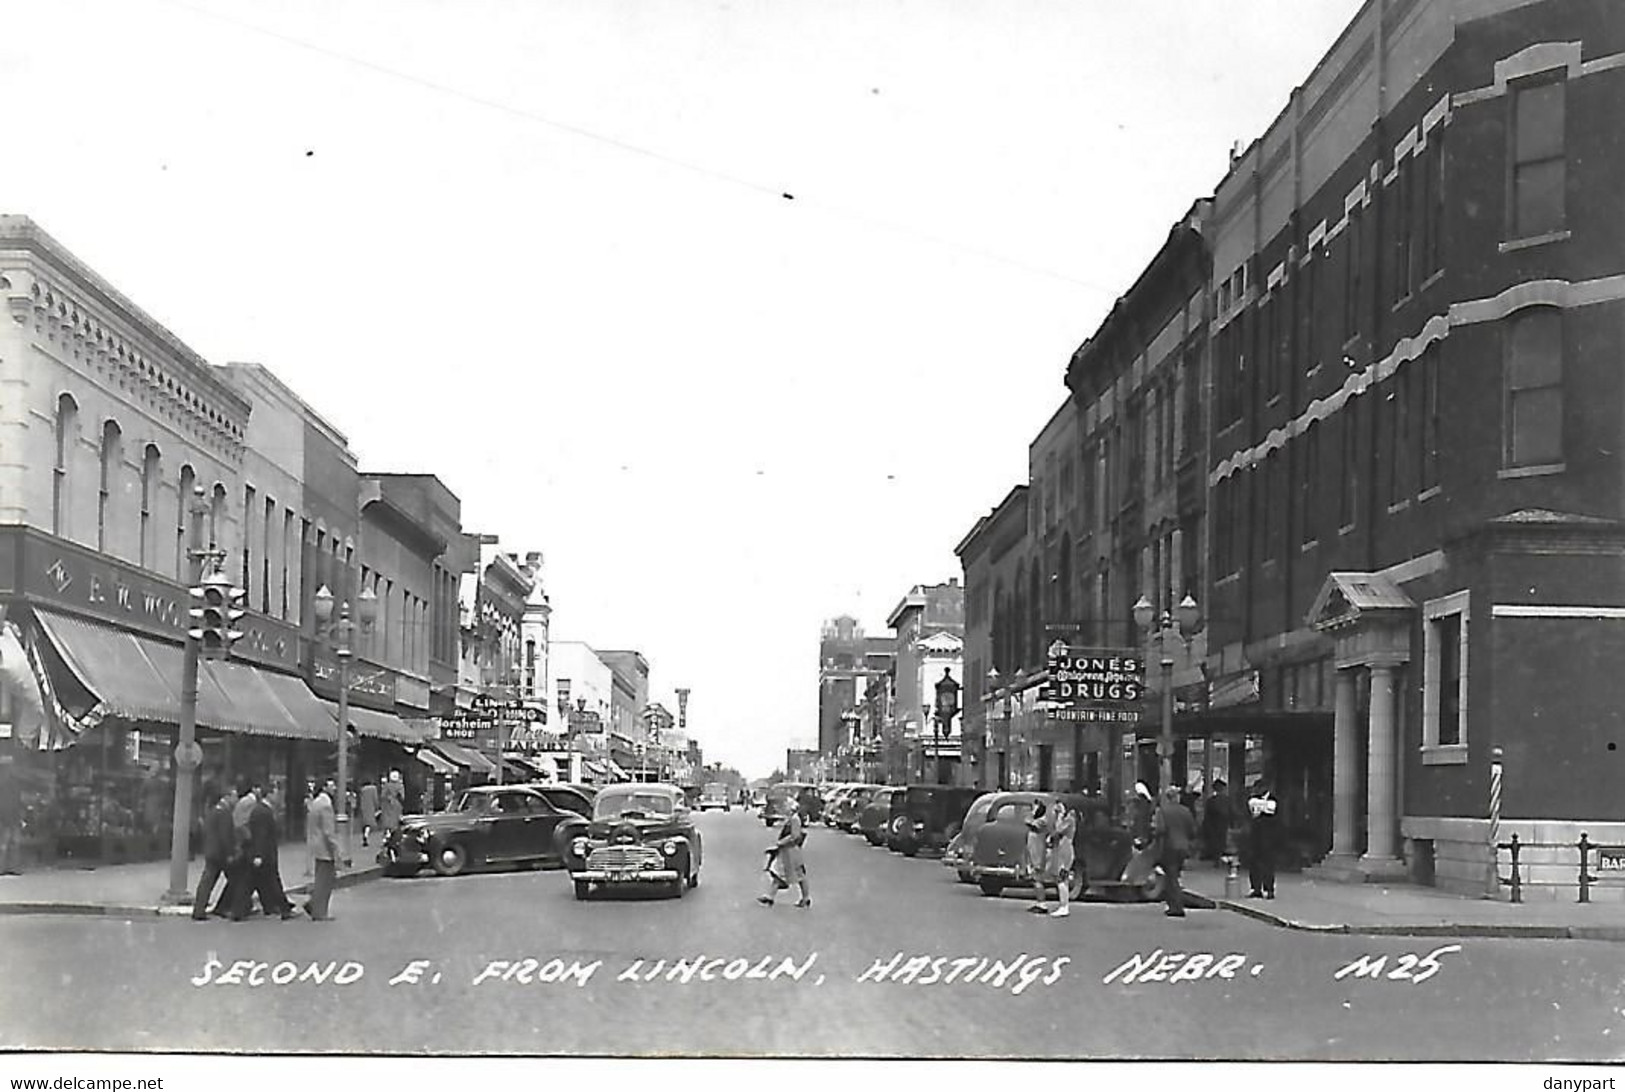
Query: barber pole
x=1495, y=820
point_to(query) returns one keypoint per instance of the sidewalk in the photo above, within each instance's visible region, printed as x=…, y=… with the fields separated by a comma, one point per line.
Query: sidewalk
x=1407, y=910
x=137, y=890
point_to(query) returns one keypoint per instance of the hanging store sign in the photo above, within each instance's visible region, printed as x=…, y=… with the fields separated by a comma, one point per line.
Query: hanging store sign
x=1095, y=681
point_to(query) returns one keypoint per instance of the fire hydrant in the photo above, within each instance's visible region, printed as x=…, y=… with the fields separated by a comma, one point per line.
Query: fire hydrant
x=1232, y=879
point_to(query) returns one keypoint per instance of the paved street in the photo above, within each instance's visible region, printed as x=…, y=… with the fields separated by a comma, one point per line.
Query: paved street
x=512, y=962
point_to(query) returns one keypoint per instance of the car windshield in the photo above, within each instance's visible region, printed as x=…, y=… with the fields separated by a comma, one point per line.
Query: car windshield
x=978, y=811
x=474, y=802
x=633, y=803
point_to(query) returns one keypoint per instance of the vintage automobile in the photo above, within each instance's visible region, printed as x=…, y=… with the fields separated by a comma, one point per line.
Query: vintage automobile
x=845, y=811
x=715, y=795
x=1102, y=851
x=876, y=817
x=961, y=851
x=490, y=824
x=641, y=833
x=782, y=797
x=566, y=797
x=930, y=817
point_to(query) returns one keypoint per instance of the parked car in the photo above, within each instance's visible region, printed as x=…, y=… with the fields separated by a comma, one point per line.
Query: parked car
x=876, y=816
x=844, y=814
x=641, y=833
x=930, y=817
x=834, y=797
x=566, y=797
x=961, y=851
x=715, y=795
x=781, y=798
x=490, y=824
x=1102, y=849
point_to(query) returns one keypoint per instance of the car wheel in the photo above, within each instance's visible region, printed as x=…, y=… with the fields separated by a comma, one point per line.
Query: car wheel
x=583, y=889
x=991, y=888
x=1075, y=884
x=451, y=859
x=966, y=877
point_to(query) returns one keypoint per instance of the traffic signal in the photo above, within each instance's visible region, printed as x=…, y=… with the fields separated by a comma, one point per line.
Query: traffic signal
x=216, y=609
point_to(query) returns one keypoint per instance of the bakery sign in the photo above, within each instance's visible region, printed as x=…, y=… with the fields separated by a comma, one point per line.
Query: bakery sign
x=1093, y=683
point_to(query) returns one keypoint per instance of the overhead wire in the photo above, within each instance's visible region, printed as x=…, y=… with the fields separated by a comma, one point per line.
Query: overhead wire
x=630, y=148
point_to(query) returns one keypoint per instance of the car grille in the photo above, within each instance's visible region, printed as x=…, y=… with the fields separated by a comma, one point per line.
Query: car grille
x=614, y=857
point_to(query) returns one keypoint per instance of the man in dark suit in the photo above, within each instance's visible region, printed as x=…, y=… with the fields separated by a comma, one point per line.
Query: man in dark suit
x=262, y=859
x=240, y=870
x=219, y=849
x=1174, y=831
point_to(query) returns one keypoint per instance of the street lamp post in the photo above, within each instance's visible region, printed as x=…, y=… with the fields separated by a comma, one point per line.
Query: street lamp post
x=1179, y=623
x=947, y=708
x=338, y=635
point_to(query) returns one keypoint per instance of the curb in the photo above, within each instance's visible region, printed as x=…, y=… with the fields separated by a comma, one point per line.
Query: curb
x=1614, y=933
x=137, y=913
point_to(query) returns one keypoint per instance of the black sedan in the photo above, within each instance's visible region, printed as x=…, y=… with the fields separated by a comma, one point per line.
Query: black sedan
x=492, y=824
x=640, y=834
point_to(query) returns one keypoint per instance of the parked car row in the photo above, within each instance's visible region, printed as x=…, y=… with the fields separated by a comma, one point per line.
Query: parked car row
x=983, y=836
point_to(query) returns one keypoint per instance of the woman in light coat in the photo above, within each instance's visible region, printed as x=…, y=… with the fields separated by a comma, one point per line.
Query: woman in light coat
x=392, y=802
x=785, y=864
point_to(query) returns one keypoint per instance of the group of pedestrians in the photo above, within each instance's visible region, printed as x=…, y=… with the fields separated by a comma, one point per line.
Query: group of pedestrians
x=240, y=843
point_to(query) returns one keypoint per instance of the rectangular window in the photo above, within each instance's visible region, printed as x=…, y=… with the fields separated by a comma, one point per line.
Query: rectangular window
x=1308, y=295
x=1269, y=356
x=1191, y=429
x=249, y=512
x=1433, y=198
x=1444, y=681
x=1534, y=388
x=1190, y=559
x=1223, y=545
x=1354, y=279
x=1349, y=479
x=1539, y=171
x=1308, y=477
x=1401, y=195
x=1400, y=446
x=1429, y=461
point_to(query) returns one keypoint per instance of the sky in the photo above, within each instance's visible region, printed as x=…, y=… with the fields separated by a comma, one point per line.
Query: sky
x=742, y=313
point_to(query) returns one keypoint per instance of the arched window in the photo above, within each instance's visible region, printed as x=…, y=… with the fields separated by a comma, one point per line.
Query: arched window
x=111, y=453
x=217, y=516
x=1018, y=619
x=151, y=467
x=67, y=431
x=183, y=505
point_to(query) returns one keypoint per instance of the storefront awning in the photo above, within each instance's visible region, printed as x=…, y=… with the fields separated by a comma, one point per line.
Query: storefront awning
x=615, y=772
x=466, y=757
x=135, y=678
x=302, y=705
x=376, y=725
x=429, y=758
x=112, y=666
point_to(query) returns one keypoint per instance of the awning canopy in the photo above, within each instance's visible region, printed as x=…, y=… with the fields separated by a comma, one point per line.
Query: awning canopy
x=429, y=758
x=135, y=678
x=466, y=757
x=376, y=725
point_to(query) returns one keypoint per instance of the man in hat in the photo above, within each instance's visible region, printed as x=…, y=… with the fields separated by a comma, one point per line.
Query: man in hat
x=1174, y=831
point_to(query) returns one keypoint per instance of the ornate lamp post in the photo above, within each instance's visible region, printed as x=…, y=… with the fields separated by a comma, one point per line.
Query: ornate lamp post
x=1180, y=623
x=337, y=634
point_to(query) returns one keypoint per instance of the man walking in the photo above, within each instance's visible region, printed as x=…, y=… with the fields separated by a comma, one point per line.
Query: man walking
x=324, y=848
x=240, y=870
x=263, y=872
x=1216, y=816
x=1174, y=832
x=392, y=803
x=219, y=850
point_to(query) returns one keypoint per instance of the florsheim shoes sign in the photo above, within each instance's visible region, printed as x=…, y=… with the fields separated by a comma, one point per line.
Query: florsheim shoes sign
x=1098, y=684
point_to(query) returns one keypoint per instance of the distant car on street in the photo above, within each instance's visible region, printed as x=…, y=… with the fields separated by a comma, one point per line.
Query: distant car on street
x=641, y=833
x=490, y=824
x=715, y=795
x=850, y=804
x=930, y=817
x=782, y=797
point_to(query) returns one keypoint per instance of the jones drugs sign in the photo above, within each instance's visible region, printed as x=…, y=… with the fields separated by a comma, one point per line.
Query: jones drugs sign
x=1094, y=678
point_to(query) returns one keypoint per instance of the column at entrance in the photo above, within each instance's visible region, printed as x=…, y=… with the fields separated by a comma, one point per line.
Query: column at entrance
x=1381, y=777
x=1345, y=771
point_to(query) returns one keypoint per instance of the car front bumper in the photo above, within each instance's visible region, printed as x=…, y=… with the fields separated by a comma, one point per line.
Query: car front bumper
x=1008, y=873
x=409, y=854
x=616, y=875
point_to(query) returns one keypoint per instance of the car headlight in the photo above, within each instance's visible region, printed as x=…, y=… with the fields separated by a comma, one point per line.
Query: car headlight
x=579, y=847
x=669, y=848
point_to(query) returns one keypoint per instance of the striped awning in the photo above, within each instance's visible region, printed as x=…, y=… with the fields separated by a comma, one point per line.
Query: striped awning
x=429, y=758
x=466, y=757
